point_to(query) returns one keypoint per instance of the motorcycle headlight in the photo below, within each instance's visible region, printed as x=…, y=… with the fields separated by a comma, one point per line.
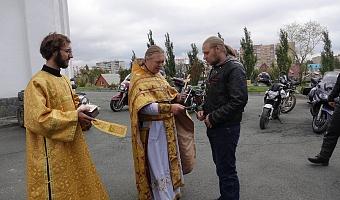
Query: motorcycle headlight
x=323, y=96
x=283, y=93
x=272, y=94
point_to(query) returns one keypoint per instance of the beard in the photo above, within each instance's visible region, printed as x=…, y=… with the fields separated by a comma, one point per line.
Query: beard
x=215, y=62
x=60, y=61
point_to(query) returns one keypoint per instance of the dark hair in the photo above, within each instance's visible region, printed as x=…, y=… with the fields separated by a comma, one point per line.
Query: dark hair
x=51, y=43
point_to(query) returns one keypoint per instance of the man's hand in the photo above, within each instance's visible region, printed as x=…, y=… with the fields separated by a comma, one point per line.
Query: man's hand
x=331, y=103
x=177, y=108
x=200, y=115
x=181, y=97
x=207, y=122
x=84, y=121
x=82, y=117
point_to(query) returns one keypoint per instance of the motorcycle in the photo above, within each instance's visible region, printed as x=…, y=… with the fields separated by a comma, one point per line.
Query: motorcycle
x=195, y=95
x=81, y=95
x=321, y=111
x=272, y=104
x=311, y=93
x=263, y=79
x=289, y=102
x=195, y=98
x=119, y=100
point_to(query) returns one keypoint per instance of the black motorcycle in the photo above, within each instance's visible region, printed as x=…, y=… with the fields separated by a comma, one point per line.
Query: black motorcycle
x=289, y=100
x=321, y=111
x=195, y=95
x=195, y=98
x=313, y=88
x=272, y=104
x=263, y=78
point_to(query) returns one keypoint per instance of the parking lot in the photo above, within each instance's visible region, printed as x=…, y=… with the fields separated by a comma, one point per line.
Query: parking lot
x=272, y=163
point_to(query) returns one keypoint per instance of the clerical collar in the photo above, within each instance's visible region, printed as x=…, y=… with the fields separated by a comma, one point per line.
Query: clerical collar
x=55, y=72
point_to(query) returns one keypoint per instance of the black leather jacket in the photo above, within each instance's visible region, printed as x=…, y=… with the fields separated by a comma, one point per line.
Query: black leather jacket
x=227, y=93
x=336, y=90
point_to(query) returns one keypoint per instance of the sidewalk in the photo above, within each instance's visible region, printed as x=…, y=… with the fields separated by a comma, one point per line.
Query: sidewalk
x=8, y=122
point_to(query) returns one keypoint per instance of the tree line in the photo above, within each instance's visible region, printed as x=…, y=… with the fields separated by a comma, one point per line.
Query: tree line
x=305, y=38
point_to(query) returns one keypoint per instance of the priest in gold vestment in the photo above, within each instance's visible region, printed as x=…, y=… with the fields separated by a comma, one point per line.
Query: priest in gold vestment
x=156, y=127
x=59, y=166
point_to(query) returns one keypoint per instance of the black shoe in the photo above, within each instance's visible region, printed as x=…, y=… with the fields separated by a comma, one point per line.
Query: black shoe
x=319, y=160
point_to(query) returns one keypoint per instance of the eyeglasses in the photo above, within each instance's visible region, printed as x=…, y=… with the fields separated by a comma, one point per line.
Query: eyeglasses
x=69, y=51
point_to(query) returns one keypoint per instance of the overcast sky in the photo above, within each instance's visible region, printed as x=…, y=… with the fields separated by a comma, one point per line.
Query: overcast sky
x=103, y=30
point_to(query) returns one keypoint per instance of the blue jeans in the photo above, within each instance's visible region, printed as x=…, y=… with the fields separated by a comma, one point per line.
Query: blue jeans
x=223, y=142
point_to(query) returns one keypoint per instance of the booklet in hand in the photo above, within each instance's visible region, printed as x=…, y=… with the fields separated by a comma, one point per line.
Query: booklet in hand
x=93, y=112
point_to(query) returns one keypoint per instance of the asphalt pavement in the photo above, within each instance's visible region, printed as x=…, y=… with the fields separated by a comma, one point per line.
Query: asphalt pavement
x=272, y=164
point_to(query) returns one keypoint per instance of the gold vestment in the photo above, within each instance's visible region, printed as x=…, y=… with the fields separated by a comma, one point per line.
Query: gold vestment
x=146, y=88
x=58, y=161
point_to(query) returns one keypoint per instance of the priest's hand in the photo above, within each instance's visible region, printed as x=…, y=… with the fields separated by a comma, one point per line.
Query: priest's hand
x=177, y=108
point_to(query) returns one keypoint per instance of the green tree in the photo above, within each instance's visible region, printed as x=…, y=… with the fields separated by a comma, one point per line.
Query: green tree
x=196, y=65
x=94, y=74
x=282, y=57
x=327, y=57
x=336, y=63
x=151, y=41
x=274, y=71
x=170, y=65
x=248, y=58
x=123, y=73
x=83, y=78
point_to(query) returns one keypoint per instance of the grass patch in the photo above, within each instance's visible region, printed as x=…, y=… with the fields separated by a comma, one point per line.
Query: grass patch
x=252, y=88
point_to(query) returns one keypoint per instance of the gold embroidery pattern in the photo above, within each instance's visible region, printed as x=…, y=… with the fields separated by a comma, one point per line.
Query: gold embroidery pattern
x=161, y=184
x=146, y=88
x=50, y=114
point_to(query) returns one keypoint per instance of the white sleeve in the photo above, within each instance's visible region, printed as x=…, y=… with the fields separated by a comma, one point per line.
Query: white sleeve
x=150, y=109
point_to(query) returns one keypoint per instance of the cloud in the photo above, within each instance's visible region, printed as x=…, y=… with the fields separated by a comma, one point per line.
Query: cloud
x=106, y=30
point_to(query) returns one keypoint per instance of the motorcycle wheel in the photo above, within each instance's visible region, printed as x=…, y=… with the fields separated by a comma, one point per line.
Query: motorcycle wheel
x=20, y=116
x=116, y=106
x=320, y=126
x=288, y=104
x=264, y=119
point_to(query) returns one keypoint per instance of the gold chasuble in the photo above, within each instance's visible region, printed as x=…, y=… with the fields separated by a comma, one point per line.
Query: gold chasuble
x=146, y=88
x=59, y=166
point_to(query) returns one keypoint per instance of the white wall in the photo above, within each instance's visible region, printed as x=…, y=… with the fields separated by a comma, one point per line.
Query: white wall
x=24, y=23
